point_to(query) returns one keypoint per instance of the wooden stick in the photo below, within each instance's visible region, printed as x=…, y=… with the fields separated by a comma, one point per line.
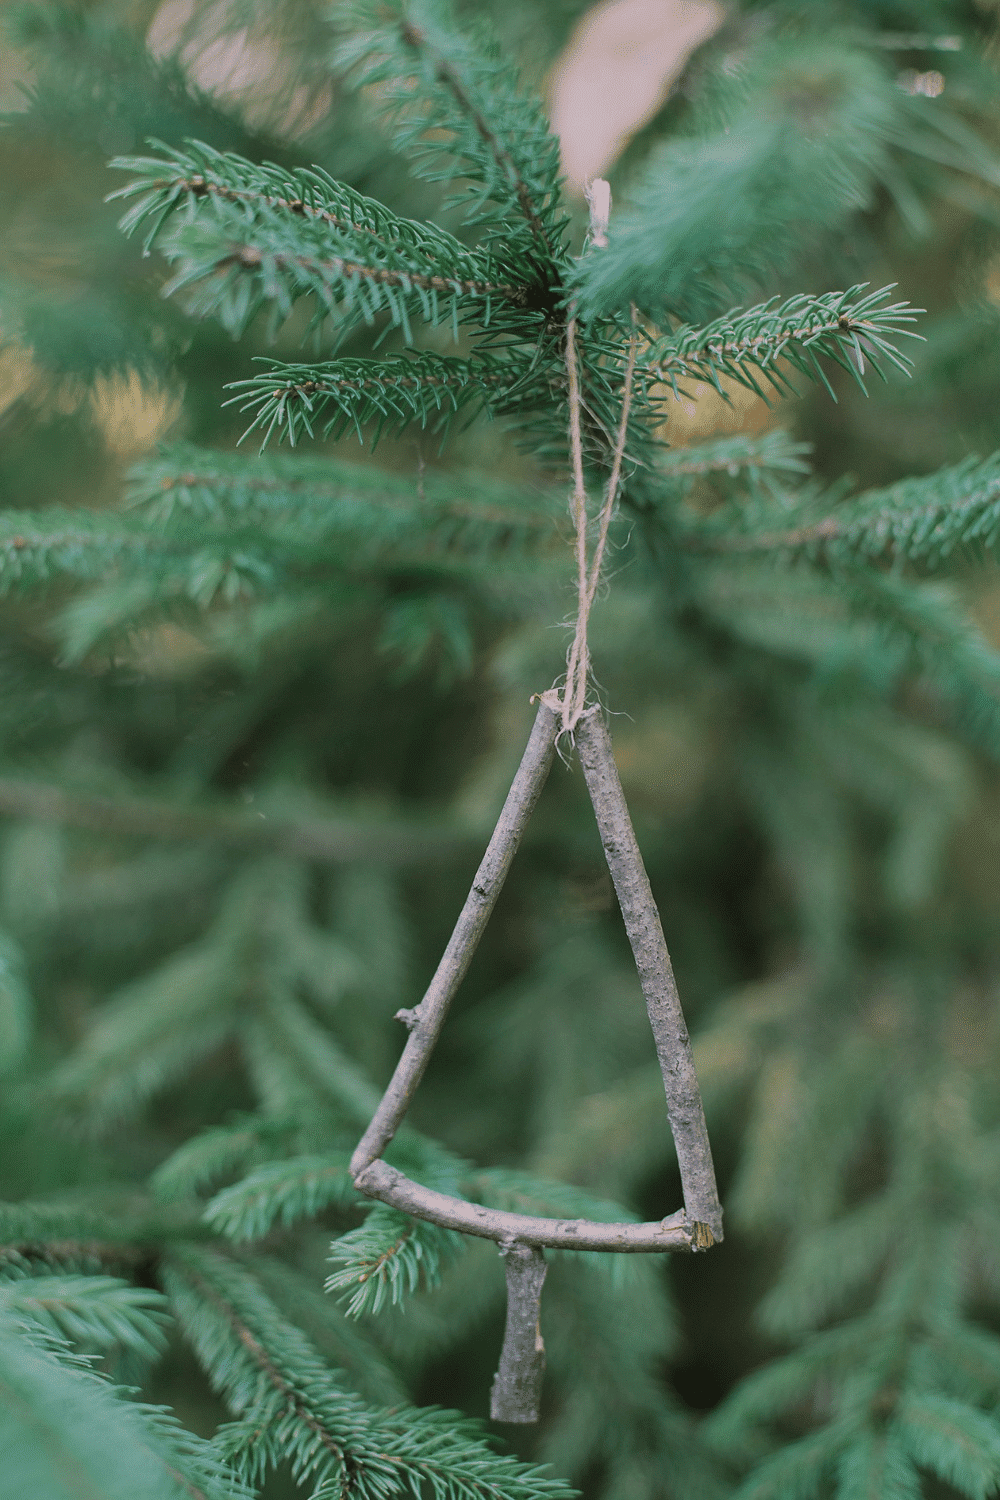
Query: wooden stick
x=428, y=1017
x=517, y=1385
x=383, y=1182
x=642, y=923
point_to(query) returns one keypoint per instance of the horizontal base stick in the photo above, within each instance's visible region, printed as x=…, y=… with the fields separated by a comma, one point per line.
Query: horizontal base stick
x=379, y=1180
x=517, y=1385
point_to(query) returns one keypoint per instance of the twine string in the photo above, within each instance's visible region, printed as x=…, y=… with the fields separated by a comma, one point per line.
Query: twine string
x=574, y=695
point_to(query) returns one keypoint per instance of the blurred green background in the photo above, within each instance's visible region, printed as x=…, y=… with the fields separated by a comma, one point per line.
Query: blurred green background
x=830, y=903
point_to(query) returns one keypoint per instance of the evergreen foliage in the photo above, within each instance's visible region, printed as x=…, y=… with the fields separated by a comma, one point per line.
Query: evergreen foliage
x=260, y=709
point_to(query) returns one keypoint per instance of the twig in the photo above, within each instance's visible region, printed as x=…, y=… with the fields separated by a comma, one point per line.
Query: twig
x=517, y=1385
x=430, y=1013
x=249, y=258
x=642, y=923
x=379, y=1180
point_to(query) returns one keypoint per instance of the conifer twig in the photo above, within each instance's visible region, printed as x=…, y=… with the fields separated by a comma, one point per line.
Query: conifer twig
x=427, y=1018
x=517, y=1385
x=447, y=74
x=642, y=923
x=380, y=1180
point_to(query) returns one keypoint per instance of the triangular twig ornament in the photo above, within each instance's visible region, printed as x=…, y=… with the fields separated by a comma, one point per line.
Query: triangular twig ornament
x=521, y=1237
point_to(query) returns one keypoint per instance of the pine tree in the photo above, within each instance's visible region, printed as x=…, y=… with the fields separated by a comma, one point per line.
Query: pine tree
x=263, y=700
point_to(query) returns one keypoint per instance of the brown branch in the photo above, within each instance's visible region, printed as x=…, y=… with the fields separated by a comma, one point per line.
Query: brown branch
x=331, y=840
x=379, y=1180
x=642, y=923
x=428, y=1017
x=262, y=1359
x=251, y=259
x=405, y=382
x=676, y=363
x=248, y=255
x=517, y=1385
x=201, y=187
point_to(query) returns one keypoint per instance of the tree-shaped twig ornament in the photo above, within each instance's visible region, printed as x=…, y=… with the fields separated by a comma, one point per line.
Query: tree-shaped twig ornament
x=521, y=1237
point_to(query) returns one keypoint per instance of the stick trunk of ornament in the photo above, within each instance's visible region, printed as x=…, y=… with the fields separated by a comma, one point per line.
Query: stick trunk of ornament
x=522, y=1237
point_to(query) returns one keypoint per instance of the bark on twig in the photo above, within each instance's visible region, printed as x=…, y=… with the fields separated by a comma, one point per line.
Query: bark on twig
x=642, y=923
x=379, y=1180
x=517, y=1385
x=520, y=803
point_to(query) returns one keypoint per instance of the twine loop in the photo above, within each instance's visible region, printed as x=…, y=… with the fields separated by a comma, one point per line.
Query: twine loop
x=571, y=702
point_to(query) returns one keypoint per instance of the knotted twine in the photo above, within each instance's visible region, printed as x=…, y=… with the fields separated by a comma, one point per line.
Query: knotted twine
x=571, y=702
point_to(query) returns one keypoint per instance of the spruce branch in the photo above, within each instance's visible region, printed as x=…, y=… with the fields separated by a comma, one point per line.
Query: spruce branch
x=324, y=1075
x=754, y=347
x=359, y=1350
x=428, y=389
x=293, y=1408
x=95, y=1311
x=181, y=178
x=220, y=1151
x=245, y=236
x=372, y=508
x=238, y=978
x=61, y=1423
x=387, y=1258
x=868, y=628
x=281, y=1193
x=82, y=1233
x=755, y=454
x=779, y=155
x=928, y=520
x=458, y=112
